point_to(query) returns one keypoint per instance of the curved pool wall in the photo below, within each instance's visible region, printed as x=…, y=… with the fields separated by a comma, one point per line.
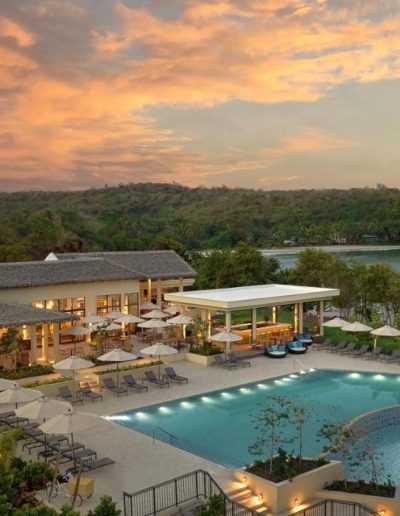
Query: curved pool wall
x=218, y=425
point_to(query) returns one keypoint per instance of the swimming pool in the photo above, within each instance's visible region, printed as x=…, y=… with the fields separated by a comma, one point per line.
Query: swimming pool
x=218, y=425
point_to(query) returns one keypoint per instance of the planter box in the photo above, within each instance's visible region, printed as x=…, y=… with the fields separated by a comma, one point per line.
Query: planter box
x=391, y=506
x=42, y=377
x=203, y=360
x=280, y=497
x=51, y=390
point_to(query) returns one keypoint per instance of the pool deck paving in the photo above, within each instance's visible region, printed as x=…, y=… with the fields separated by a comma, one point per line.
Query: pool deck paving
x=141, y=463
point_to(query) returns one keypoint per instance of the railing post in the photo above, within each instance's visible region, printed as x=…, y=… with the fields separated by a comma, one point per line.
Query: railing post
x=154, y=502
x=197, y=486
x=176, y=493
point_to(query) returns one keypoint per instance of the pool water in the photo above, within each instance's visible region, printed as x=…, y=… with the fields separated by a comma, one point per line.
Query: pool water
x=219, y=425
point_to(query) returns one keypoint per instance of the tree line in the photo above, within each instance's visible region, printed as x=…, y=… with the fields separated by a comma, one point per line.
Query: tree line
x=170, y=216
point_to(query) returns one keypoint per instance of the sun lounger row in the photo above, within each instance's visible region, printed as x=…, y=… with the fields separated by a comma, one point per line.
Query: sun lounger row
x=364, y=352
x=231, y=362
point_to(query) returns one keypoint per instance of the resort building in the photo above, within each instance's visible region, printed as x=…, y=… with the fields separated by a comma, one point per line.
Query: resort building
x=38, y=297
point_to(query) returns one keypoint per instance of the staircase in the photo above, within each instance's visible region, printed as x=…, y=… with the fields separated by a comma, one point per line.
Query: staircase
x=242, y=494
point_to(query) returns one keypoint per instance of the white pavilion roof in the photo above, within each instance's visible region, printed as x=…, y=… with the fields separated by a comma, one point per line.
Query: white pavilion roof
x=251, y=297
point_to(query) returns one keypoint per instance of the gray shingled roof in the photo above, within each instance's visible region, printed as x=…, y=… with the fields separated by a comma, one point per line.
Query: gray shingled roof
x=147, y=264
x=32, y=274
x=15, y=314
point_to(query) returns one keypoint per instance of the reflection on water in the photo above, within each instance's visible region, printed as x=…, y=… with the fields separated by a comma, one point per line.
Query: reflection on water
x=390, y=257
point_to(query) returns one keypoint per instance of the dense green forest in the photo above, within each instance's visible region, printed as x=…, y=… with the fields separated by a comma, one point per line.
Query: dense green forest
x=160, y=216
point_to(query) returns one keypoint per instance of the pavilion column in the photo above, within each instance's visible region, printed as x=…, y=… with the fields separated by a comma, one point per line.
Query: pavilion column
x=180, y=286
x=32, y=336
x=321, y=317
x=253, y=325
x=45, y=342
x=159, y=292
x=56, y=342
x=296, y=318
x=228, y=327
x=274, y=314
x=300, y=317
x=209, y=324
x=149, y=289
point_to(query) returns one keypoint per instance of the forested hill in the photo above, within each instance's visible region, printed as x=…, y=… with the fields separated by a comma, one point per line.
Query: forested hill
x=157, y=216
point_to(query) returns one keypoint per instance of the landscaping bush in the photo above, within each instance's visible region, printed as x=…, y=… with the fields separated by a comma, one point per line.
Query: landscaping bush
x=48, y=382
x=130, y=367
x=27, y=372
x=361, y=487
x=106, y=507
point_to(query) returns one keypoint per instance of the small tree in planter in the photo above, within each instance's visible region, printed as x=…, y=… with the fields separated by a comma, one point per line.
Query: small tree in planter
x=342, y=438
x=298, y=415
x=198, y=330
x=270, y=422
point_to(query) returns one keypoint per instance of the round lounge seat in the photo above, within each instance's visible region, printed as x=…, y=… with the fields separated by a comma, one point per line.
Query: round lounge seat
x=297, y=347
x=304, y=338
x=275, y=351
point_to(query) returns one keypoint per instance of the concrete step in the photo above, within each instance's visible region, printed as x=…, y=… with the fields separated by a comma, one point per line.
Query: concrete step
x=236, y=491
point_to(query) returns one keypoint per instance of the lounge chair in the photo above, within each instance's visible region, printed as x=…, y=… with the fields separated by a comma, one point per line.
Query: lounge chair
x=219, y=361
x=358, y=352
x=336, y=347
x=88, y=393
x=348, y=349
x=110, y=385
x=152, y=378
x=296, y=347
x=130, y=382
x=394, y=357
x=66, y=395
x=237, y=360
x=170, y=374
x=89, y=465
x=322, y=345
x=275, y=351
x=372, y=355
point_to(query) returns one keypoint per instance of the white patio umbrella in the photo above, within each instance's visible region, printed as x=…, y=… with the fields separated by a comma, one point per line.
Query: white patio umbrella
x=73, y=364
x=129, y=319
x=356, y=327
x=227, y=337
x=115, y=314
x=337, y=322
x=70, y=422
x=117, y=355
x=19, y=394
x=154, y=323
x=148, y=305
x=6, y=384
x=92, y=319
x=155, y=314
x=75, y=331
x=180, y=319
x=43, y=408
x=113, y=327
x=173, y=309
x=159, y=349
x=385, y=331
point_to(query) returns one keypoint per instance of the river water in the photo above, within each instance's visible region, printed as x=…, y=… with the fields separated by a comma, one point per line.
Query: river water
x=288, y=259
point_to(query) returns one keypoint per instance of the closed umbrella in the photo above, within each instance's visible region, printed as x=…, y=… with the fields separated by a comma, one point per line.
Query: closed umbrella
x=385, y=331
x=155, y=314
x=227, y=337
x=337, y=322
x=117, y=355
x=43, y=408
x=19, y=394
x=159, y=349
x=73, y=364
x=6, y=384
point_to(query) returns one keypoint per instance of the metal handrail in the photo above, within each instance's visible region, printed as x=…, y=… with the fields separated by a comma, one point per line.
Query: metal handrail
x=194, y=485
x=171, y=436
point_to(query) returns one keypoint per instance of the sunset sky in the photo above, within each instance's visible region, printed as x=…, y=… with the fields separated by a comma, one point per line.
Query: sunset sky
x=275, y=94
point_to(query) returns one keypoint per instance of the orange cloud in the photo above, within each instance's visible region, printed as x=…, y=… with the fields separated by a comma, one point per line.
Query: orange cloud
x=75, y=87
